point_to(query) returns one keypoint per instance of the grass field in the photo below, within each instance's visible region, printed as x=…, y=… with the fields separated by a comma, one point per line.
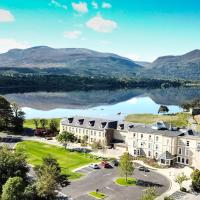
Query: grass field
x=30, y=124
x=68, y=161
x=98, y=195
x=179, y=119
x=123, y=182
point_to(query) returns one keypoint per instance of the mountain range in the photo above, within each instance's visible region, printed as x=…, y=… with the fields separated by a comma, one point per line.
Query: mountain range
x=69, y=61
x=85, y=62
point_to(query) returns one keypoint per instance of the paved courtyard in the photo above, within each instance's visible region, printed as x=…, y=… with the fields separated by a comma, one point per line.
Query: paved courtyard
x=103, y=179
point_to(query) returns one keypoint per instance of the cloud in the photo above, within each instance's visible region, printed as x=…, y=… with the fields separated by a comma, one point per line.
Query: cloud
x=95, y=5
x=99, y=24
x=6, y=16
x=72, y=34
x=10, y=43
x=106, y=5
x=80, y=7
x=57, y=4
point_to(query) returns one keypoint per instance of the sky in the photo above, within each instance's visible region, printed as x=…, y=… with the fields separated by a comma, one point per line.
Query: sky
x=137, y=29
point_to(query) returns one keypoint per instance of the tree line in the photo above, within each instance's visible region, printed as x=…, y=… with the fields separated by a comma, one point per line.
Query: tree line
x=69, y=83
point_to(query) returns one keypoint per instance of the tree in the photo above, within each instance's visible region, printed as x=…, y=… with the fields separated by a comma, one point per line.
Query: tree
x=43, y=123
x=13, y=189
x=36, y=123
x=149, y=194
x=12, y=164
x=65, y=138
x=126, y=165
x=18, y=118
x=196, y=180
x=6, y=114
x=53, y=126
x=84, y=141
x=163, y=109
x=49, y=178
x=180, y=179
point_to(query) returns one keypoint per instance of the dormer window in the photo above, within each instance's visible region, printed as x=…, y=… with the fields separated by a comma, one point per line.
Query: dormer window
x=130, y=127
x=91, y=123
x=80, y=121
x=121, y=126
x=70, y=120
x=103, y=124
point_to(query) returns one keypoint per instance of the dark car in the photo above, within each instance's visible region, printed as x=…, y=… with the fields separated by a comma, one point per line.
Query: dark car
x=115, y=163
x=144, y=169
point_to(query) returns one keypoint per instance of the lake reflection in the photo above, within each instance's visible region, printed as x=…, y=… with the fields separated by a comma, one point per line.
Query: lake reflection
x=106, y=104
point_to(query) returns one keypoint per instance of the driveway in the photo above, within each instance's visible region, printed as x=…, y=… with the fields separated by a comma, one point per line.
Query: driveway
x=103, y=179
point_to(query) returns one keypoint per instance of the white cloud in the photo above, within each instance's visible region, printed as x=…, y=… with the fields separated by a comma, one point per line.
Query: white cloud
x=106, y=5
x=72, y=34
x=6, y=16
x=57, y=4
x=95, y=5
x=99, y=24
x=133, y=101
x=10, y=43
x=80, y=7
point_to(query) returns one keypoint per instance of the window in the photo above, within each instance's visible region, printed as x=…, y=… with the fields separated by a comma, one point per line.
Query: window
x=187, y=152
x=156, y=147
x=157, y=138
x=188, y=143
x=99, y=134
x=156, y=154
x=179, y=151
x=149, y=153
x=94, y=133
x=138, y=152
x=134, y=134
x=141, y=136
x=149, y=137
x=149, y=145
x=183, y=160
x=135, y=152
x=179, y=159
x=141, y=144
x=187, y=161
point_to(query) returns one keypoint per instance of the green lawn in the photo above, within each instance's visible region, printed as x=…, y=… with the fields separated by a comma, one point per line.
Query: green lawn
x=179, y=119
x=98, y=195
x=68, y=161
x=123, y=182
x=30, y=124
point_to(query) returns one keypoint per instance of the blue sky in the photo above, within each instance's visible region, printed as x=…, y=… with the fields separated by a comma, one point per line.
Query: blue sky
x=138, y=29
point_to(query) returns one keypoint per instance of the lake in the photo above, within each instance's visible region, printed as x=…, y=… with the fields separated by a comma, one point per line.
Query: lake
x=105, y=104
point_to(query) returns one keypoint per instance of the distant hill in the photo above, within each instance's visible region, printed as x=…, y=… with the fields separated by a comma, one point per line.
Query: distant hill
x=185, y=66
x=69, y=61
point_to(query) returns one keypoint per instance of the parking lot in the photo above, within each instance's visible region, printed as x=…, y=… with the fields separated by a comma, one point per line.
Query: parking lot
x=103, y=179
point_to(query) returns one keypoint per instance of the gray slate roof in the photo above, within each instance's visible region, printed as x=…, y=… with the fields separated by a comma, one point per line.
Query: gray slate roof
x=166, y=156
x=148, y=129
x=127, y=126
x=90, y=123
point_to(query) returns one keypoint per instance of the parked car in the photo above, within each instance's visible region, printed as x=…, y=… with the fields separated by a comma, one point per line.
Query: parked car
x=105, y=164
x=115, y=163
x=145, y=169
x=94, y=166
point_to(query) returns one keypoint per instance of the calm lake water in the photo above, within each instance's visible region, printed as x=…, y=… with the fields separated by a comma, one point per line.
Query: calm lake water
x=105, y=104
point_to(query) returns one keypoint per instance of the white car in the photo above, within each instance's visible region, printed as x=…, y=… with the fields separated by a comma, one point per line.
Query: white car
x=94, y=166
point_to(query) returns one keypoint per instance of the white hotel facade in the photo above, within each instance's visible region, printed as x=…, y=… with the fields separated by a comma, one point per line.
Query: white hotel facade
x=158, y=142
